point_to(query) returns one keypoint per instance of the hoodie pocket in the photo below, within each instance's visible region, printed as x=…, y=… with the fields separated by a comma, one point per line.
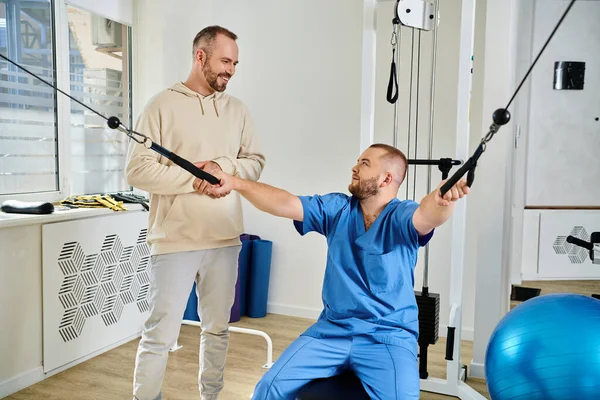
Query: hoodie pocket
x=170, y=209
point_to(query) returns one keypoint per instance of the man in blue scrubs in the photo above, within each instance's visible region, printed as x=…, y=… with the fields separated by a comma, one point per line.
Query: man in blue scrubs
x=369, y=323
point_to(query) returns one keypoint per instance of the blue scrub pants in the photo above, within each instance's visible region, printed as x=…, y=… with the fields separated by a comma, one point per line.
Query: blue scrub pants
x=387, y=372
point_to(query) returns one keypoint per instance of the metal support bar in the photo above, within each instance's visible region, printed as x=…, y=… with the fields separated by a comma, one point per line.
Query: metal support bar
x=253, y=332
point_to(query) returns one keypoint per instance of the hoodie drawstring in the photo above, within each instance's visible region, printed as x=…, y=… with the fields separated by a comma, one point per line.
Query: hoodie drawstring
x=215, y=105
x=181, y=88
x=201, y=106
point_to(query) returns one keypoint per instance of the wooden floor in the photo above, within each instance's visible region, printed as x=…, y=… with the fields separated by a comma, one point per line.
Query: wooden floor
x=579, y=287
x=109, y=376
x=586, y=288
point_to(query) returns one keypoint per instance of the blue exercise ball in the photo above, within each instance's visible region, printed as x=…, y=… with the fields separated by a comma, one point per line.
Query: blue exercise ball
x=546, y=348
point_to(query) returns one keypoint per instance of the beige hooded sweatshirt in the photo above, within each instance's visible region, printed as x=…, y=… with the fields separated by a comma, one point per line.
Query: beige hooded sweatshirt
x=198, y=128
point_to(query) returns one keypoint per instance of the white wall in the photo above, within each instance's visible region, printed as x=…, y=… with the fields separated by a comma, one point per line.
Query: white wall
x=302, y=84
x=492, y=196
x=117, y=10
x=563, y=136
x=162, y=44
x=520, y=116
x=21, y=311
x=555, y=160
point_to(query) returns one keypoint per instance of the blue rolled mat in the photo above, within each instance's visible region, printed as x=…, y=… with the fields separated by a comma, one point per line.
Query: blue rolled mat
x=239, y=303
x=191, y=310
x=260, y=271
x=245, y=260
x=241, y=288
x=234, y=315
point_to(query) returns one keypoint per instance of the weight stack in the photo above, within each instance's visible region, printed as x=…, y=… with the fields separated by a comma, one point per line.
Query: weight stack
x=429, y=322
x=429, y=317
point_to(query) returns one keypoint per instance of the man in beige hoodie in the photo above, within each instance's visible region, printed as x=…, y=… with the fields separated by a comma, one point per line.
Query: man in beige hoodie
x=193, y=235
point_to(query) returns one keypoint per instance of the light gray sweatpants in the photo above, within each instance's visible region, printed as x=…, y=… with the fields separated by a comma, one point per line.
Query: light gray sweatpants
x=171, y=280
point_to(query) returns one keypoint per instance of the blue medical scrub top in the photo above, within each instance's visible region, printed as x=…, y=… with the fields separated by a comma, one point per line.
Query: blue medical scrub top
x=368, y=287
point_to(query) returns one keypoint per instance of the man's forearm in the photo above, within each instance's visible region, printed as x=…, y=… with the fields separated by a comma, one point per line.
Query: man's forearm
x=249, y=167
x=146, y=173
x=433, y=214
x=270, y=199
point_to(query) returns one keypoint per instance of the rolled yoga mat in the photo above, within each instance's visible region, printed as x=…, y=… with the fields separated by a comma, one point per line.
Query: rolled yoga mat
x=241, y=287
x=260, y=271
x=191, y=310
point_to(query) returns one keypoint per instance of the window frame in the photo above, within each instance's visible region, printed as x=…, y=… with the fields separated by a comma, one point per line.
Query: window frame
x=60, y=25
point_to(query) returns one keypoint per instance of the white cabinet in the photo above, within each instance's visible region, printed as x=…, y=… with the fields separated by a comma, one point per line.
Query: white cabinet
x=547, y=255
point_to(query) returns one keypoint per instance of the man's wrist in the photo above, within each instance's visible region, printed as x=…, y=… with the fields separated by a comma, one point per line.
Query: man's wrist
x=225, y=164
x=237, y=183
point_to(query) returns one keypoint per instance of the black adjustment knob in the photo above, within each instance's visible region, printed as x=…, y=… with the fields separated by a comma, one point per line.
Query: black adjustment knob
x=501, y=116
x=113, y=122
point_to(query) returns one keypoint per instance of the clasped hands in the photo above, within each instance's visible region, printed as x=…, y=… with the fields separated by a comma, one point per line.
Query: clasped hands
x=203, y=187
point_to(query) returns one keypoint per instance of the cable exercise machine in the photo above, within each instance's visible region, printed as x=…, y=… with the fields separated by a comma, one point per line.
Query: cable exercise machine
x=421, y=17
x=424, y=16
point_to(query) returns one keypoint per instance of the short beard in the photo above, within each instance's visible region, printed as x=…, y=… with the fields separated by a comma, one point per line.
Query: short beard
x=364, y=189
x=212, y=77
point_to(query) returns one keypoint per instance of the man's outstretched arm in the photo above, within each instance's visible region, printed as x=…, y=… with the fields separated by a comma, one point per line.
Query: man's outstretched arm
x=265, y=197
x=435, y=209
